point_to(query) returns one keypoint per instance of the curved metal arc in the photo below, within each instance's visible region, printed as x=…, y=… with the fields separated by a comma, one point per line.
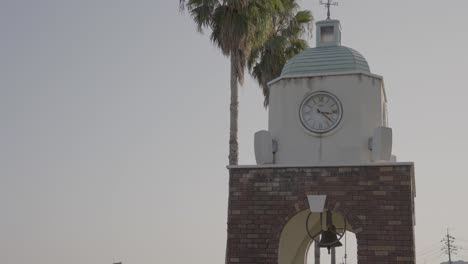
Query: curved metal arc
x=344, y=230
x=308, y=229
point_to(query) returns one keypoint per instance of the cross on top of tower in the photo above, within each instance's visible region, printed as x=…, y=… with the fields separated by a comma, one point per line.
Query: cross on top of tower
x=328, y=4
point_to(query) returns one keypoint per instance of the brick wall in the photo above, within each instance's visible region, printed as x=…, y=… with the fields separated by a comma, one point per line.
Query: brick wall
x=378, y=202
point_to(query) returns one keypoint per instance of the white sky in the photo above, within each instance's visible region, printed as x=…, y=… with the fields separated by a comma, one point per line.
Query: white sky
x=114, y=125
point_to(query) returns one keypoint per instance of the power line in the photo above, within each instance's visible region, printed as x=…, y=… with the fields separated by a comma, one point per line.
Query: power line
x=429, y=246
x=428, y=254
x=429, y=251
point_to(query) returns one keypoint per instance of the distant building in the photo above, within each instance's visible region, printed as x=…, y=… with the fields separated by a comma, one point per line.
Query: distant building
x=456, y=262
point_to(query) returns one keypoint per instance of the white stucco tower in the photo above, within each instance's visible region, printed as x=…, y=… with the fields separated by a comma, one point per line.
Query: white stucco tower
x=326, y=108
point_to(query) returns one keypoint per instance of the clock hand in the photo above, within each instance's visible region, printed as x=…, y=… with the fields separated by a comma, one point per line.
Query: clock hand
x=327, y=117
x=323, y=113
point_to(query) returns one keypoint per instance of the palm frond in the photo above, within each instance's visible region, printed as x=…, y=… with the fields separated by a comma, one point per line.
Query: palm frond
x=201, y=12
x=266, y=61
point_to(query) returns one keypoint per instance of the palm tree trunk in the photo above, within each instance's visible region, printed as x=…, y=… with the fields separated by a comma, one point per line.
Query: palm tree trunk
x=234, y=113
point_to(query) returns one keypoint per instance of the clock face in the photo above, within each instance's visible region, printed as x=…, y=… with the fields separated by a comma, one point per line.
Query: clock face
x=321, y=112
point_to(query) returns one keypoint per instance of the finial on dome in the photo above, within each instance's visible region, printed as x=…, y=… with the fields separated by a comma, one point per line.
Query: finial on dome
x=327, y=5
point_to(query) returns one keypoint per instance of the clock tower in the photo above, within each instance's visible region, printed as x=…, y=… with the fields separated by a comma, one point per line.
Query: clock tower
x=328, y=136
x=326, y=108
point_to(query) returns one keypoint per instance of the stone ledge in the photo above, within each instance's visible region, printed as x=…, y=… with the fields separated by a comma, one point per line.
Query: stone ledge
x=322, y=165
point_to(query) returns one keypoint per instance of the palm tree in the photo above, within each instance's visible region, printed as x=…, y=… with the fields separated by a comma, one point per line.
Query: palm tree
x=284, y=41
x=236, y=26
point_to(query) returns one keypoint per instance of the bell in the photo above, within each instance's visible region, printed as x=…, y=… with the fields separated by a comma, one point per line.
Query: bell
x=329, y=239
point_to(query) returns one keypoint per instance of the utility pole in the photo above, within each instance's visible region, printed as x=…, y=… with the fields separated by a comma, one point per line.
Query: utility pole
x=449, y=248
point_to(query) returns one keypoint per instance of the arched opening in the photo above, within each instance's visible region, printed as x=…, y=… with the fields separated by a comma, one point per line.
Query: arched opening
x=296, y=247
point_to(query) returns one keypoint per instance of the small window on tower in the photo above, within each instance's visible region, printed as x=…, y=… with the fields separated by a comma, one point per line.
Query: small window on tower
x=327, y=34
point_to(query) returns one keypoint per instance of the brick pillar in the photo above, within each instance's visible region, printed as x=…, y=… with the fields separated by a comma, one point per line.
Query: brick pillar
x=378, y=202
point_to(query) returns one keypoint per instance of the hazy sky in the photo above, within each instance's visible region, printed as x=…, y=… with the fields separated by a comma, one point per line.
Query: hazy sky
x=114, y=125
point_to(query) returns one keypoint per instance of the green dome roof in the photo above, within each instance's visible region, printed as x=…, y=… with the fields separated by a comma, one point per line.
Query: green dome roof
x=324, y=60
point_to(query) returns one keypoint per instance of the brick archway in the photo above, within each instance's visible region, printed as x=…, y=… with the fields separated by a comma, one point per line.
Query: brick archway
x=377, y=202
